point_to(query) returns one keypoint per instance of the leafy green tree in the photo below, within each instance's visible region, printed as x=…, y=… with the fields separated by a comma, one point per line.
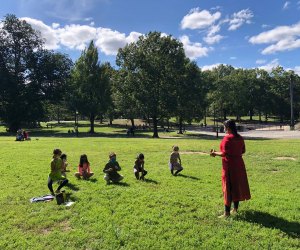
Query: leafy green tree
x=29, y=76
x=154, y=65
x=91, y=85
x=190, y=94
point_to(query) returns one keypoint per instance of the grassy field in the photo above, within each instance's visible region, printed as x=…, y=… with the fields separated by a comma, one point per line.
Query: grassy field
x=164, y=212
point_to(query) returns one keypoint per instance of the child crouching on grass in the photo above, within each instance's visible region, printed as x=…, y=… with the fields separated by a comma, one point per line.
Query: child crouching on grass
x=111, y=170
x=64, y=169
x=55, y=174
x=84, y=169
x=139, y=167
x=175, y=161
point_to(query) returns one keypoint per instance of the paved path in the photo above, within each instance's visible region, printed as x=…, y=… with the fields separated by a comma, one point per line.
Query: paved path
x=268, y=134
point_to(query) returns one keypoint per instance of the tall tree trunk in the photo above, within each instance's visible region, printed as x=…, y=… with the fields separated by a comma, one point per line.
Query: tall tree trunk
x=251, y=114
x=132, y=122
x=180, y=126
x=259, y=116
x=110, y=121
x=155, y=131
x=224, y=114
x=58, y=115
x=92, y=121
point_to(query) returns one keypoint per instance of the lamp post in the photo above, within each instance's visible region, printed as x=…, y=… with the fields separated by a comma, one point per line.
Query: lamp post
x=292, y=103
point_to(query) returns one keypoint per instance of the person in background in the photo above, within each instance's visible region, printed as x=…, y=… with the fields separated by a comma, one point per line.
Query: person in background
x=175, y=161
x=234, y=177
x=139, y=167
x=55, y=174
x=64, y=169
x=84, y=169
x=111, y=170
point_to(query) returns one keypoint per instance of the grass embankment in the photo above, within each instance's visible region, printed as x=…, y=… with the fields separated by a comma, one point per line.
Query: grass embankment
x=164, y=212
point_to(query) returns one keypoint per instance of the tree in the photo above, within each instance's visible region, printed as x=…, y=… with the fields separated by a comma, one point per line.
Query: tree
x=153, y=65
x=190, y=94
x=91, y=85
x=29, y=74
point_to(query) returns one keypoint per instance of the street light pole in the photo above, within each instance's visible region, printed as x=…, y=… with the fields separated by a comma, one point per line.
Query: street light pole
x=292, y=103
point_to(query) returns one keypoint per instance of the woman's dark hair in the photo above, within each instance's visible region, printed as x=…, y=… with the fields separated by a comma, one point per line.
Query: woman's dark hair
x=63, y=156
x=83, y=159
x=231, y=124
x=140, y=156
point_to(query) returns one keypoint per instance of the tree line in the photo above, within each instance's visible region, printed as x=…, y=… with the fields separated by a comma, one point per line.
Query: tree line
x=153, y=80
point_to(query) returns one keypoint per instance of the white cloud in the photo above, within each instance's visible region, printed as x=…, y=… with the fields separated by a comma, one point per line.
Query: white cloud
x=297, y=70
x=210, y=67
x=286, y=5
x=48, y=33
x=193, y=50
x=281, y=38
x=55, y=25
x=265, y=26
x=269, y=66
x=109, y=41
x=239, y=18
x=260, y=61
x=77, y=36
x=211, y=36
x=197, y=19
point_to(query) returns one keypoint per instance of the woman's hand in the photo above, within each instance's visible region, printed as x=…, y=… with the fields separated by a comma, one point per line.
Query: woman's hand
x=212, y=153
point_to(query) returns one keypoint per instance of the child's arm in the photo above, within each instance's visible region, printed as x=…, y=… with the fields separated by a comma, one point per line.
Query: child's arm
x=118, y=168
x=89, y=169
x=107, y=168
x=179, y=159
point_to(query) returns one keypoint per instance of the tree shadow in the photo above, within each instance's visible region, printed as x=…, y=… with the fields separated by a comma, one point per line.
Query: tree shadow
x=270, y=221
x=188, y=176
x=151, y=181
x=72, y=186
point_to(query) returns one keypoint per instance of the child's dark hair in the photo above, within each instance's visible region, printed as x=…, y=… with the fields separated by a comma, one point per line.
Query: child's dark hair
x=140, y=156
x=83, y=159
x=56, y=151
x=63, y=157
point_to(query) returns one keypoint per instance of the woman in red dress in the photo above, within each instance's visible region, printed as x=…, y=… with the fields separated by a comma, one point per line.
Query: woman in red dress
x=234, y=177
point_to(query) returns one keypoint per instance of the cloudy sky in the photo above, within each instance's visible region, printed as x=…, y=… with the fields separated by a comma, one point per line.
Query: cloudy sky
x=242, y=33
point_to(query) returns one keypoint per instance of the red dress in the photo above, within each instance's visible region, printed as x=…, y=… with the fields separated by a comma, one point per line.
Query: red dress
x=234, y=177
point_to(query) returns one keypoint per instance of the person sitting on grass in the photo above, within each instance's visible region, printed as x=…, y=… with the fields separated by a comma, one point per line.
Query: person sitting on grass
x=111, y=170
x=64, y=169
x=139, y=167
x=175, y=161
x=55, y=174
x=84, y=169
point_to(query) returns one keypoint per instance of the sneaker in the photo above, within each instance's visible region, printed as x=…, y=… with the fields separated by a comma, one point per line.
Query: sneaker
x=233, y=211
x=224, y=216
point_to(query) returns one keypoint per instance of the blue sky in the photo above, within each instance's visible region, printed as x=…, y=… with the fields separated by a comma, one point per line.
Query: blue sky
x=241, y=33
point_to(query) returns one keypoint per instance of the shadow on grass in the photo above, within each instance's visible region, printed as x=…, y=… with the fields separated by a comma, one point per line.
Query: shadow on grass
x=270, y=221
x=124, y=184
x=92, y=180
x=188, y=176
x=72, y=186
x=151, y=181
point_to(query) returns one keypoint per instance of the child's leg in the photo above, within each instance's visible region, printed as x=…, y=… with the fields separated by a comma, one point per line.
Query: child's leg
x=90, y=174
x=64, y=182
x=77, y=175
x=179, y=170
x=144, y=172
x=137, y=175
x=106, y=177
x=50, y=182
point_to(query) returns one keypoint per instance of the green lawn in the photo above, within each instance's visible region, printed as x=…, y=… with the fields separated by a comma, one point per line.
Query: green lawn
x=164, y=212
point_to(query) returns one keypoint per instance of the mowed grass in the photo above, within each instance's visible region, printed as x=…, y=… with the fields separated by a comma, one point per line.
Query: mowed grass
x=164, y=212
